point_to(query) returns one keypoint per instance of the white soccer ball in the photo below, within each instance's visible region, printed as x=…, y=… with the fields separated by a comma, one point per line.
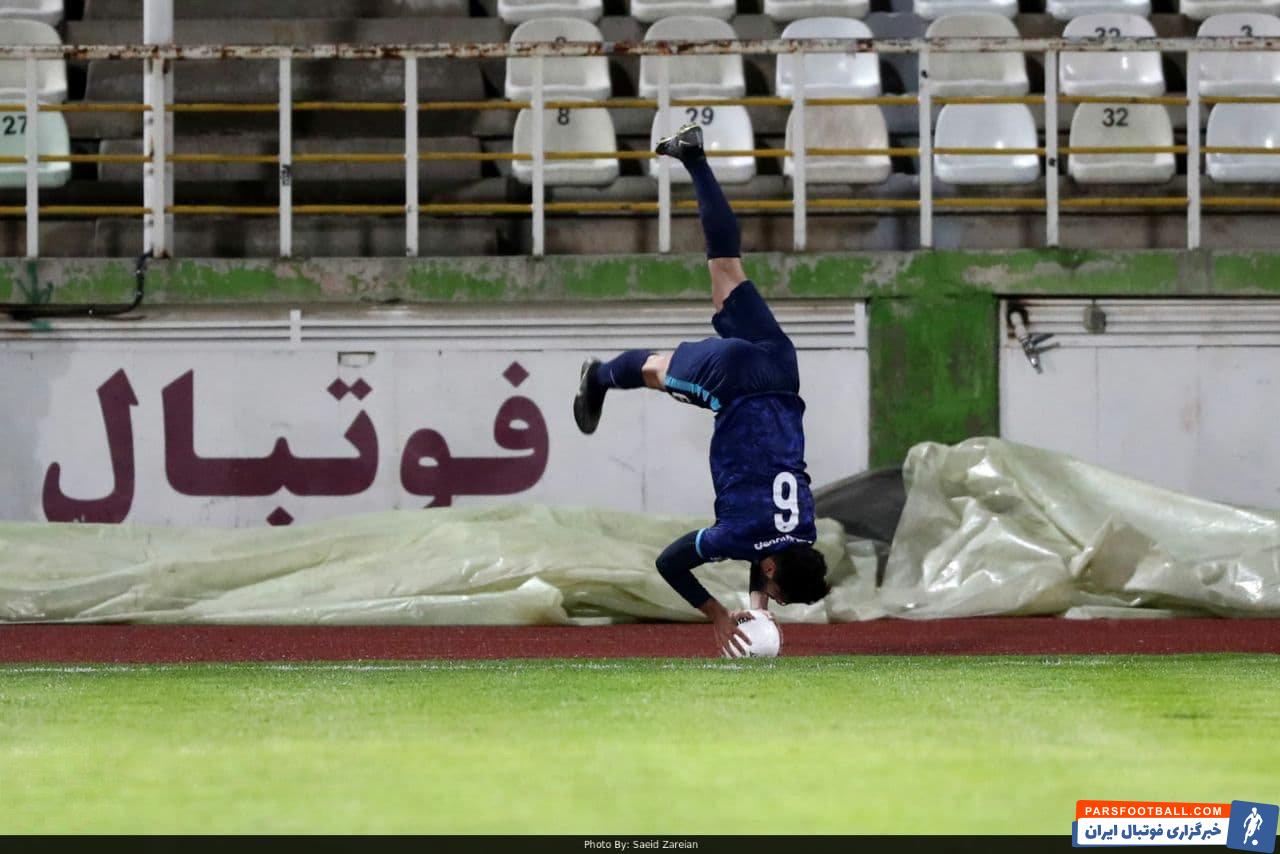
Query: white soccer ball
x=766, y=640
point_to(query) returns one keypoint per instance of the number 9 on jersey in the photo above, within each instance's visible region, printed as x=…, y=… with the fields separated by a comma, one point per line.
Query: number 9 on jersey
x=786, y=497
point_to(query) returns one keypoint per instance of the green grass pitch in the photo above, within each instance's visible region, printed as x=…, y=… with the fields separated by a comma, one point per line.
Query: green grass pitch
x=820, y=745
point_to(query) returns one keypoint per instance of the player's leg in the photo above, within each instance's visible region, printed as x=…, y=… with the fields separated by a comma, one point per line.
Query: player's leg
x=627, y=370
x=719, y=225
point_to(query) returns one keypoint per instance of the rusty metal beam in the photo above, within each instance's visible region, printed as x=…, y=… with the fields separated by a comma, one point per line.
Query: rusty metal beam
x=500, y=50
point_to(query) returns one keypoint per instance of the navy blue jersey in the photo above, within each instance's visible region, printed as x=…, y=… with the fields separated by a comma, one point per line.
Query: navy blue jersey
x=750, y=380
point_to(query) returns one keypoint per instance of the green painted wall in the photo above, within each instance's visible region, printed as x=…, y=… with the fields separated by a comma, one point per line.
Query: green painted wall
x=934, y=369
x=933, y=315
x=901, y=274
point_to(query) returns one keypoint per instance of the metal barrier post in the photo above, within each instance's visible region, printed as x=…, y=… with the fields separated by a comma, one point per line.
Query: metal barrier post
x=1193, y=149
x=31, y=128
x=925, y=125
x=411, y=156
x=799, y=180
x=155, y=233
x=664, y=164
x=1051, y=147
x=286, y=157
x=157, y=129
x=539, y=162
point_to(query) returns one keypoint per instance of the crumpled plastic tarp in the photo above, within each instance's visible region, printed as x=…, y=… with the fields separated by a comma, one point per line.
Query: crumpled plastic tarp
x=504, y=565
x=993, y=527
x=989, y=527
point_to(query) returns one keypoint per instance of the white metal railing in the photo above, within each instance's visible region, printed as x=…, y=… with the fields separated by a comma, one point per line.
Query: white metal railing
x=158, y=208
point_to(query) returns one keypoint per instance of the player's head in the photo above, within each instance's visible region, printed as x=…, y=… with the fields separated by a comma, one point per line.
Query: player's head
x=797, y=574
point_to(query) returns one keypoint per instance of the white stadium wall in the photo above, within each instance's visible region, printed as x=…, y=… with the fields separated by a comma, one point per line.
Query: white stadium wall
x=244, y=418
x=1179, y=393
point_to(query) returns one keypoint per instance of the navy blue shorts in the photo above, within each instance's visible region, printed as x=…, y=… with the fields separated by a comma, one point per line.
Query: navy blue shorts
x=752, y=356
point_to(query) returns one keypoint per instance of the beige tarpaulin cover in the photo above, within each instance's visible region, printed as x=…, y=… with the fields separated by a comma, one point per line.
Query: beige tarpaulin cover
x=992, y=527
x=989, y=527
x=510, y=565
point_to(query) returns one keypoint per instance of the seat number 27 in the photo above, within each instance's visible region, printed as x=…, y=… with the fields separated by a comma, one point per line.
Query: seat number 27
x=786, y=497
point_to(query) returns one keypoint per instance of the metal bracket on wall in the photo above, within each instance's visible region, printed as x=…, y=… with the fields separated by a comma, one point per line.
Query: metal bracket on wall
x=1032, y=343
x=1095, y=319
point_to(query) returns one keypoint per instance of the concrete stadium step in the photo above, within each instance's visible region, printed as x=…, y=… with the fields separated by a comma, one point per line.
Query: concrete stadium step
x=354, y=236
x=313, y=236
x=302, y=31
x=876, y=232
x=58, y=239
x=491, y=123
x=247, y=81
x=905, y=7
x=100, y=9
x=430, y=173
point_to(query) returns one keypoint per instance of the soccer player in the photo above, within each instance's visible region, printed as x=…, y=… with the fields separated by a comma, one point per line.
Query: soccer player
x=749, y=379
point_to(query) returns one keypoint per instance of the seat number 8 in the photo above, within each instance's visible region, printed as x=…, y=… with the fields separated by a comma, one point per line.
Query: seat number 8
x=786, y=497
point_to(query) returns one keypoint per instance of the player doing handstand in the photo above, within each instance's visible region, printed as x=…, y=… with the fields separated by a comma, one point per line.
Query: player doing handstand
x=749, y=379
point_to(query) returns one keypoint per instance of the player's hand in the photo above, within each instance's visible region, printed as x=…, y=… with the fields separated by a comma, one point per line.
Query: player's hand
x=728, y=635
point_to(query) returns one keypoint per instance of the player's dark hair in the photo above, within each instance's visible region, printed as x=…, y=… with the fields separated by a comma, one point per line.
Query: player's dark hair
x=801, y=574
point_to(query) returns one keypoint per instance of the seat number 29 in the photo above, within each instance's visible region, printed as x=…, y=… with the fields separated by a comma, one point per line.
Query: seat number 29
x=786, y=497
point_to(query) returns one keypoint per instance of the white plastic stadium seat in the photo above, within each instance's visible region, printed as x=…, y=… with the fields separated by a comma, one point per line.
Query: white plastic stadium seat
x=986, y=126
x=1124, y=73
x=1253, y=125
x=842, y=127
x=1240, y=72
x=794, y=10
x=1096, y=125
x=932, y=9
x=583, y=77
x=829, y=75
x=45, y=11
x=1069, y=10
x=567, y=130
x=655, y=10
x=53, y=140
x=976, y=73
x=51, y=74
x=692, y=76
x=1199, y=10
x=519, y=11
x=723, y=129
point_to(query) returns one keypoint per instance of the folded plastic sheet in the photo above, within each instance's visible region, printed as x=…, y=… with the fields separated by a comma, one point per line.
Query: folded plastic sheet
x=508, y=565
x=993, y=527
x=989, y=527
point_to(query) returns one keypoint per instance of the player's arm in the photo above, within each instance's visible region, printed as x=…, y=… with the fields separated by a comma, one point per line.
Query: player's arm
x=676, y=564
x=759, y=598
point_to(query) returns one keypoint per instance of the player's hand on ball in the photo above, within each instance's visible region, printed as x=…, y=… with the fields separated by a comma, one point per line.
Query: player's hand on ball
x=728, y=635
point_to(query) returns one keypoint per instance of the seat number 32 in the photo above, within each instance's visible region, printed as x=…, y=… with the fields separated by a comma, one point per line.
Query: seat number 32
x=786, y=497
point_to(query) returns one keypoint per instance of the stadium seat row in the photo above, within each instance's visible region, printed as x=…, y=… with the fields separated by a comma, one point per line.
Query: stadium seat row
x=1137, y=73
x=1009, y=126
x=850, y=75
x=520, y=11
x=729, y=128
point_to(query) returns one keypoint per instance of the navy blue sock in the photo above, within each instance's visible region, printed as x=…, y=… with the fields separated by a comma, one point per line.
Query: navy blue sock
x=625, y=370
x=719, y=225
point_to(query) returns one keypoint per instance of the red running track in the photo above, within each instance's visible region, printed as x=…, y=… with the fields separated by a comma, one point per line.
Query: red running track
x=985, y=636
